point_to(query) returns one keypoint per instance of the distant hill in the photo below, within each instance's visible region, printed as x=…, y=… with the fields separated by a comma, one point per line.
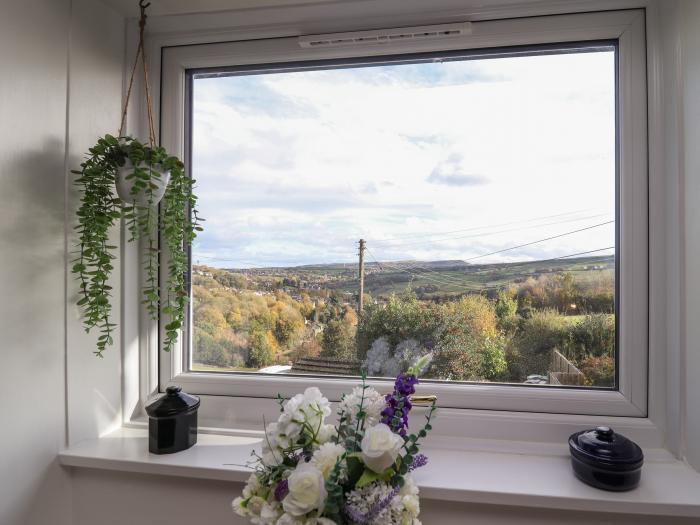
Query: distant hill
x=436, y=278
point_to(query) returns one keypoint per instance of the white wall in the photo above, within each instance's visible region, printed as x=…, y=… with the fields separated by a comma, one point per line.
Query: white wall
x=33, y=54
x=60, y=89
x=96, y=78
x=154, y=500
x=99, y=496
x=48, y=49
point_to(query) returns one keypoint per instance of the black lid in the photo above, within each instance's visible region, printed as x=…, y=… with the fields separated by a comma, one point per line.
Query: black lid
x=174, y=402
x=602, y=447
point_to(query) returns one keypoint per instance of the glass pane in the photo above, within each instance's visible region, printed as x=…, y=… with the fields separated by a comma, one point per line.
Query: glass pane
x=480, y=193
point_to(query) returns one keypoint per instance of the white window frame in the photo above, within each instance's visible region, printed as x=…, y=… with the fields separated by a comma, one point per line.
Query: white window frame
x=630, y=399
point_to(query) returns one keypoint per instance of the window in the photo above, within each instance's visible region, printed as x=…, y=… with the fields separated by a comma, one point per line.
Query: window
x=480, y=196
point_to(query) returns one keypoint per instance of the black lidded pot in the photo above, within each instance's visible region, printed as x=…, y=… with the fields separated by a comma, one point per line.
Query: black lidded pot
x=606, y=460
x=172, y=422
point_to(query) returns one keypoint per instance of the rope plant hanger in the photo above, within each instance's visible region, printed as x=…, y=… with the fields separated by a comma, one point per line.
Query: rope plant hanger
x=142, y=175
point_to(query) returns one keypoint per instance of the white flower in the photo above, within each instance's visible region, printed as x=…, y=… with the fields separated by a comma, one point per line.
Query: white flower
x=238, y=508
x=319, y=521
x=255, y=505
x=409, y=499
x=380, y=447
x=270, y=513
x=325, y=458
x=363, y=500
x=303, y=410
x=411, y=504
x=409, y=486
x=307, y=490
x=287, y=519
x=325, y=434
x=252, y=486
x=271, y=459
x=372, y=405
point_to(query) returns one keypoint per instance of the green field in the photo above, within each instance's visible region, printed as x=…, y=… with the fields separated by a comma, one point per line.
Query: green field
x=444, y=278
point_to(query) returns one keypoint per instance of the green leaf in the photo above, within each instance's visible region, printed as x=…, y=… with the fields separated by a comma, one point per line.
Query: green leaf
x=367, y=477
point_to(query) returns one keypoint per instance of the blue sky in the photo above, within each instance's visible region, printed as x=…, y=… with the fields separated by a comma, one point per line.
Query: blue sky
x=431, y=161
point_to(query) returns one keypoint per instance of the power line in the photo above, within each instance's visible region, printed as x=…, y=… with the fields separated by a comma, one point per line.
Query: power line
x=488, y=234
x=581, y=253
x=539, y=240
x=471, y=288
x=475, y=228
x=428, y=278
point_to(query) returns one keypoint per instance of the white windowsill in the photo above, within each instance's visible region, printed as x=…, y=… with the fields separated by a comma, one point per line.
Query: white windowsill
x=531, y=478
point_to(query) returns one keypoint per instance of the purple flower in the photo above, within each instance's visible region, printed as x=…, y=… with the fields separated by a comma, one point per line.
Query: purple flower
x=281, y=490
x=395, y=415
x=420, y=460
x=361, y=518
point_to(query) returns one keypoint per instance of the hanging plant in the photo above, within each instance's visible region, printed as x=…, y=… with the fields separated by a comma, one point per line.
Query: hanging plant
x=142, y=175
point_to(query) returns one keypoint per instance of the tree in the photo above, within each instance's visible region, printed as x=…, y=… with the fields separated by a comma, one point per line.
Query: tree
x=338, y=340
x=402, y=317
x=469, y=345
x=289, y=325
x=261, y=351
x=506, y=306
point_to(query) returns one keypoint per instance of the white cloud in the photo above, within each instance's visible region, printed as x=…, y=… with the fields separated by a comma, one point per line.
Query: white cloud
x=295, y=167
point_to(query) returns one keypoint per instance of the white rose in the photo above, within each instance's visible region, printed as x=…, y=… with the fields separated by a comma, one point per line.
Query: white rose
x=307, y=490
x=380, y=447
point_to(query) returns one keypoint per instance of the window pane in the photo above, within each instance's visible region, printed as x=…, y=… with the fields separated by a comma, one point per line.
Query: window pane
x=484, y=193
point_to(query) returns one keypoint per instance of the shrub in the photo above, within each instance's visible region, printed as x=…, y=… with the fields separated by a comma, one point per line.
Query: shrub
x=593, y=336
x=469, y=345
x=542, y=332
x=506, y=306
x=401, y=318
x=308, y=348
x=599, y=371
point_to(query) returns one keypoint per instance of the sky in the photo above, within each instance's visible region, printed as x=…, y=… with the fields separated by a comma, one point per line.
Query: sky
x=433, y=161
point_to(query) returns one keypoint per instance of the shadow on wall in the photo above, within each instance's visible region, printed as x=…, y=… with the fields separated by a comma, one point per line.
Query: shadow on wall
x=32, y=244
x=33, y=187
x=34, y=488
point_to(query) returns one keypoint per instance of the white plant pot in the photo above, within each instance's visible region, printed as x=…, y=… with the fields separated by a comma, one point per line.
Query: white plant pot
x=141, y=198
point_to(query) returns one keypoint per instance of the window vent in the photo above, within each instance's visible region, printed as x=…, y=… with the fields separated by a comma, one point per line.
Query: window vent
x=385, y=36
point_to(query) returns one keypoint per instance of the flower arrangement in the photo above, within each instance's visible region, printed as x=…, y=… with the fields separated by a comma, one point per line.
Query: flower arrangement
x=357, y=472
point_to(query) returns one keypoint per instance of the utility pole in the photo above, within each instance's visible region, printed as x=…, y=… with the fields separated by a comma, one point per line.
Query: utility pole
x=362, y=275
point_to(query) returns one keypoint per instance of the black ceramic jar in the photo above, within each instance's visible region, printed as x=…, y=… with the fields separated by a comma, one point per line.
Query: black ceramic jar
x=606, y=460
x=172, y=422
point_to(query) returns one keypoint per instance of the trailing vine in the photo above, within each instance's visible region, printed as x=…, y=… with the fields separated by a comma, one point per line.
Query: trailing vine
x=100, y=209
